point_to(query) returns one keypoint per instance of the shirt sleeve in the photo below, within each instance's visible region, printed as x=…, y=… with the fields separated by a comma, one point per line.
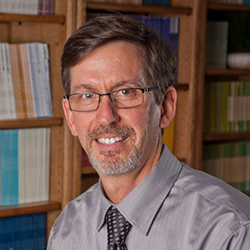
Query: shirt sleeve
x=238, y=240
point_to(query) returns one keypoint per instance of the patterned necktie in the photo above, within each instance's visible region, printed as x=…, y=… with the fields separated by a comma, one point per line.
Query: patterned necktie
x=118, y=229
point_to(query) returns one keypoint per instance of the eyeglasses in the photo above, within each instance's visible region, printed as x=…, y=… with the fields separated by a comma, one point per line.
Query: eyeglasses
x=121, y=99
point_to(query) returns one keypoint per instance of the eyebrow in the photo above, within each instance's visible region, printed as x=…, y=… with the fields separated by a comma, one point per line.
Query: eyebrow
x=118, y=84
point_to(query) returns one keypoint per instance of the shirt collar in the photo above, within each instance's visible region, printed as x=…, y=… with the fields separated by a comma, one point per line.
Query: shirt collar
x=142, y=204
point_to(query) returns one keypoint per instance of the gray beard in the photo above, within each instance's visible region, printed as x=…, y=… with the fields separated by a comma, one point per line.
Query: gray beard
x=113, y=163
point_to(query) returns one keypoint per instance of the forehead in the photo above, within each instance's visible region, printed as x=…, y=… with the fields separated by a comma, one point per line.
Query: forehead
x=110, y=63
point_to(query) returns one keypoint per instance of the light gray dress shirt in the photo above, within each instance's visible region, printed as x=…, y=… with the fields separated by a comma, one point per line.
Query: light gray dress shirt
x=174, y=208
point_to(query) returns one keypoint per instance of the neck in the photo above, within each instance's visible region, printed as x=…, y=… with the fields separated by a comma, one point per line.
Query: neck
x=116, y=187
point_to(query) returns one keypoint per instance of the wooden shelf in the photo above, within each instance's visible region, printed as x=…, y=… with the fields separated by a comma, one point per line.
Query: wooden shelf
x=31, y=18
x=29, y=208
x=88, y=170
x=31, y=123
x=227, y=75
x=182, y=86
x=227, y=72
x=228, y=7
x=130, y=8
x=226, y=137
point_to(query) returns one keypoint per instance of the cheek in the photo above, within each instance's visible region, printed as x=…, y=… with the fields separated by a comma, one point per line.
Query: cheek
x=82, y=127
x=145, y=122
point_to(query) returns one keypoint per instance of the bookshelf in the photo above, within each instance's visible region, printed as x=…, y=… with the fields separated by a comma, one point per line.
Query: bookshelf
x=187, y=136
x=224, y=12
x=53, y=30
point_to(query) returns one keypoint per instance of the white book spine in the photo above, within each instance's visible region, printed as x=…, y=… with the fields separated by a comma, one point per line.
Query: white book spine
x=10, y=94
x=31, y=166
x=22, y=145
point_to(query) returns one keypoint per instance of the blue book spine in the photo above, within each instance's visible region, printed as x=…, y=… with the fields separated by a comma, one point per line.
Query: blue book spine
x=174, y=34
x=246, y=1
x=9, y=164
x=146, y=2
x=23, y=232
x=40, y=233
x=7, y=240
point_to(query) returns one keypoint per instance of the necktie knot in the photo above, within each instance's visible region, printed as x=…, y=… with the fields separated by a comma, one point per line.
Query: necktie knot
x=118, y=228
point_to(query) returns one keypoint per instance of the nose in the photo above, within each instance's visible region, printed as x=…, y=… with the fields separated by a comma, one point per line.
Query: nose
x=106, y=113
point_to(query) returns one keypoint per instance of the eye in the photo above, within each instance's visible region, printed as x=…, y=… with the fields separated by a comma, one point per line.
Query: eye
x=87, y=95
x=126, y=91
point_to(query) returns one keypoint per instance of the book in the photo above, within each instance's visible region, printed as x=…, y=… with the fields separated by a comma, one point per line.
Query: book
x=16, y=82
x=226, y=107
x=217, y=44
x=229, y=162
x=25, y=90
x=24, y=165
x=23, y=232
x=167, y=27
x=29, y=7
x=7, y=110
x=9, y=167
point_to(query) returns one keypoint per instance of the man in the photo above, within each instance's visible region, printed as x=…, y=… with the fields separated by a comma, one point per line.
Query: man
x=118, y=78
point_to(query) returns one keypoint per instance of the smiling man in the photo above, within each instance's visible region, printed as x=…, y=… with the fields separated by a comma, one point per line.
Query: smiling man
x=118, y=77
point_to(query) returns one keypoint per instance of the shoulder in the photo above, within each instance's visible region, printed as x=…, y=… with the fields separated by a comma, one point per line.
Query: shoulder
x=215, y=191
x=80, y=206
x=222, y=211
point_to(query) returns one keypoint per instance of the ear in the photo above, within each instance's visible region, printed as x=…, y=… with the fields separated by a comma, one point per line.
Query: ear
x=168, y=106
x=69, y=117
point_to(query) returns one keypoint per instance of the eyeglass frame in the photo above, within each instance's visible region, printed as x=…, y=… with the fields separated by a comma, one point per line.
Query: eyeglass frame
x=144, y=90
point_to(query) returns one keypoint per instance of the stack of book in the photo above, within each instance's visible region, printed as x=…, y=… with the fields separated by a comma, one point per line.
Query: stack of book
x=23, y=232
x=229, y=162
x=24, y=165
x=30, y=7
x=24, y=81
x=231, y=1
x=136, y=2
x=226, y=107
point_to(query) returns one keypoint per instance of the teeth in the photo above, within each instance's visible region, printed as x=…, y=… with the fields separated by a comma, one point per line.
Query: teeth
x=109, y=140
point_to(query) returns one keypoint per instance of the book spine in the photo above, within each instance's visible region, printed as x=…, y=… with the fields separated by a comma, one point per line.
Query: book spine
x=9, y=167
x=23, y=232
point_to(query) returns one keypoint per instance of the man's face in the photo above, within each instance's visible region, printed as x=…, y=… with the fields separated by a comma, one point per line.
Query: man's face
x=116, y=140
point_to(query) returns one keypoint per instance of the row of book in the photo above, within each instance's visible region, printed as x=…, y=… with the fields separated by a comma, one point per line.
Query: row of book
x=231, y=1
x=229, y=162
x=24, y=165
x=24, y=81
x=29, y=7
x=136, y=2
x=26, y=232
x=167, y=27
x=226, y=107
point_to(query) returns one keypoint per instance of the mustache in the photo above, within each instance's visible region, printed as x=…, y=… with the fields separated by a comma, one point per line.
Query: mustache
x=111, y=129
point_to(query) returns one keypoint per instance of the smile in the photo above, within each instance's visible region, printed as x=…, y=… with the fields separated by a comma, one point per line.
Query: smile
x=109, y=141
